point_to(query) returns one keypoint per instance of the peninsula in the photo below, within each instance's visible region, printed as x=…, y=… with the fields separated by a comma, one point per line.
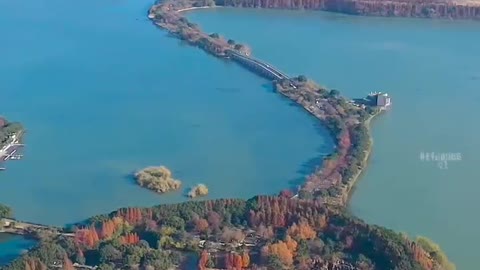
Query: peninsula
x=346, y=120
x=264, y=232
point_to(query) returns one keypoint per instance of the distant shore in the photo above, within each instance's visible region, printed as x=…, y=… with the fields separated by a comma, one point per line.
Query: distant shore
x=194, y=8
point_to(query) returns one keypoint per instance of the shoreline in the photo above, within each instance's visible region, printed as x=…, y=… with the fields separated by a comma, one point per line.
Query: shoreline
x=332, y=186
x=365, y=162
x=195, y=8
x=429, y=9
x=327, y=98
x=353, y=180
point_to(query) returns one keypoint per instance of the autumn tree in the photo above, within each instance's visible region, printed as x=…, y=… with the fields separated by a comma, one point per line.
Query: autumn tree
x=301, y=231
x=34, y=264
x=286, y=193
x=229, y=261
x=67, y=264
x=129, y=239
x=87, y=237
x=238, y=262
x=202, y=262
x=282, y=251
x=265, y=232
x=108, y=229
x=201, y=225
x=133, y=215
x=215, y=220
x=291, y=244
x=245, y=260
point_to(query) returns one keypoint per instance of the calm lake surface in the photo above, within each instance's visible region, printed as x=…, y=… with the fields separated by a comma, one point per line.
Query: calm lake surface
x=431, y=69
x=103, y=93
x=11, y=246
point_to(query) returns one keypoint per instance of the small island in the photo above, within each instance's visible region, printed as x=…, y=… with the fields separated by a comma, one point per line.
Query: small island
x=158, y=179
x=198, y=191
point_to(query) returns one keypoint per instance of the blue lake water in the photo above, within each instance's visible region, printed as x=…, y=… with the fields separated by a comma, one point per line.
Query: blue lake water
x=103, y=93
x=11, y=246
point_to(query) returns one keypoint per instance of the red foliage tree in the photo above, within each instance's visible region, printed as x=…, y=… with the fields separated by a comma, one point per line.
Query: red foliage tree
x=132, y=215
x=202, y=263
x=230, y=261
x=301, y=231
x=130, y=239
x=238, y=263
x=108, y=229
x=87, y=237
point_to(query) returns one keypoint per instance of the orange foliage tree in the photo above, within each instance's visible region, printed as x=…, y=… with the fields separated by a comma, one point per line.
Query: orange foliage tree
x=88, y=237
x=282, y=251
x=301, y=231
x=245, y=260
x=130, y=239
x=291, y=244
x=421, y=256
x=108, y=229
x=236, y=261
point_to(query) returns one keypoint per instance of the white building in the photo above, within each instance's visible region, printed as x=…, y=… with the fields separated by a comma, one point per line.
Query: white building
x=383, y=100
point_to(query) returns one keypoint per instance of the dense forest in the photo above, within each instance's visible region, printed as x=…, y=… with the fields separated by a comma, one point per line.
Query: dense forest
x=264, y=232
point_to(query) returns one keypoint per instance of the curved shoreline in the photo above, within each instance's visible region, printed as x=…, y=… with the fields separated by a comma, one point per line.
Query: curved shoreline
x=365, y=123
x=298, y=90
x=332, y=183
x=353, y=181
